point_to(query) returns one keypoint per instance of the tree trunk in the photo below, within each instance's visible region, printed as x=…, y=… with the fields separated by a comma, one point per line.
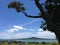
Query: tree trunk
x=57, y=33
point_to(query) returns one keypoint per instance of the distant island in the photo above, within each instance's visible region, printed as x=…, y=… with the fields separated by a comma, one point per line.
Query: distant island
x=29, y=38
x=36, y=38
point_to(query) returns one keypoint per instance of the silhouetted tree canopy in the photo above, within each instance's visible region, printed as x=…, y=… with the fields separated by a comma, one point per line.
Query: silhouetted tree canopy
x=17, y=5
x=52, y=7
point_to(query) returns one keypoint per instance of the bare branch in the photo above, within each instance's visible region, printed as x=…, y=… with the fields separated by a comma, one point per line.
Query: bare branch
x=40, y=8
x=32, y=16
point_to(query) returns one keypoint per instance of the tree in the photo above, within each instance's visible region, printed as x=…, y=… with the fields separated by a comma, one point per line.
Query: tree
x=51, y=14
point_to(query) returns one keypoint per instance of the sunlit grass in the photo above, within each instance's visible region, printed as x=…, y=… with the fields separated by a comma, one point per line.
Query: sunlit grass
x=28, y=44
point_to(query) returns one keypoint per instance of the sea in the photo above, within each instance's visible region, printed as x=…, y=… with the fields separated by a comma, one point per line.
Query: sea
x=40, y=41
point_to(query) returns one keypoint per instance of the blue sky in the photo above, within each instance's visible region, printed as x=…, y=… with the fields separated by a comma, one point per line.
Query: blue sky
x=16, y=25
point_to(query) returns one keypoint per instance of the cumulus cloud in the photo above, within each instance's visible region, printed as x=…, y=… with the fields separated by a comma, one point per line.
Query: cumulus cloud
x=16, y=28
x=28, y=33
x=45, y=34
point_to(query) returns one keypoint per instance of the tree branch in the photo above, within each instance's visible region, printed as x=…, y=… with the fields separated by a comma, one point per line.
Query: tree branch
x=32, y=16
x=40, y=8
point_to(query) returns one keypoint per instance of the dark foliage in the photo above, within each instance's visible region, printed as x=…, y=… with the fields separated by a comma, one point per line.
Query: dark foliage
x=16, y=5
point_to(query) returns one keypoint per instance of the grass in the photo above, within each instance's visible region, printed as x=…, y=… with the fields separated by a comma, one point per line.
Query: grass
x=27, y=44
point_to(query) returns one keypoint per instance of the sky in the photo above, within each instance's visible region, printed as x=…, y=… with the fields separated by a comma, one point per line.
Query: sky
x=15, y=25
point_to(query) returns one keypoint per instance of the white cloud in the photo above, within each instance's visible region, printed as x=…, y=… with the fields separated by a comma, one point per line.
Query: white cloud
x=45, y=34
x=16, y=28
x=40, y=33
x=5, y=35
x=40, y=30
x=12, y=30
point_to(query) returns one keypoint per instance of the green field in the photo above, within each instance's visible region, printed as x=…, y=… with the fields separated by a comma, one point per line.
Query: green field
x=26, y=44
